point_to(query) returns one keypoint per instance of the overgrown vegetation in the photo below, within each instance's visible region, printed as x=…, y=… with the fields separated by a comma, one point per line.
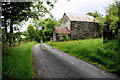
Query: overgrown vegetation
x=17, y=61
x=94, y=51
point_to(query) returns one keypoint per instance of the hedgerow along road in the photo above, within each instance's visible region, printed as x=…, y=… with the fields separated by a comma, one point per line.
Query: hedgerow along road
x=52, y=63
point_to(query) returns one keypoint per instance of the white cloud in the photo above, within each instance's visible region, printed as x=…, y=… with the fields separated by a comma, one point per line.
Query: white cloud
x=79, y=6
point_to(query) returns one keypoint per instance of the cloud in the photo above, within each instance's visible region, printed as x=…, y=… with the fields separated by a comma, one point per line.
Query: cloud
x=79, y=6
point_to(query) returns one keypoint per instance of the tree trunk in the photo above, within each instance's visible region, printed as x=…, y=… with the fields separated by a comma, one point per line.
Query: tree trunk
x=5, y=21
x=110, y=35
x=105, y=34
x=11, y=33
x=11, y=26
x=116, y=32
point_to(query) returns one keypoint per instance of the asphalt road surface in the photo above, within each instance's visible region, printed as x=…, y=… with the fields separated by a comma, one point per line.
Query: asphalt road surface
x=52, y=63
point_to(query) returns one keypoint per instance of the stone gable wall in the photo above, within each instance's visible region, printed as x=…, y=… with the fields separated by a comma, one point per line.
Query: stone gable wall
x=82, y=30
x=65, y=22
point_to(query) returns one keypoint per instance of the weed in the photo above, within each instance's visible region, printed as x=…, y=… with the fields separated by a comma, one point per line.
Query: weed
x=50, y=53
x=42, y=47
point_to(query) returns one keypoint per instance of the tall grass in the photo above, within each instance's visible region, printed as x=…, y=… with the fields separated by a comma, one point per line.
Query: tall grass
x=106, y=56
x=17, y=61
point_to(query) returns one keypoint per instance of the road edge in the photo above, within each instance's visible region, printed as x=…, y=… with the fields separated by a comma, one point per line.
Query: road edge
x=105, y=71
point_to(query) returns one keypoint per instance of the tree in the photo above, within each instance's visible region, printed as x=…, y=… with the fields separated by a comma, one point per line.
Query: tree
x=31, y=32
x=15, y=12
x=113, y=14
x=38, y=23
x=48, y=24
x=44, y=29
x=26, y=34
x=17, y=35
x=38, y=35
x=112, y=21
x=95, y=14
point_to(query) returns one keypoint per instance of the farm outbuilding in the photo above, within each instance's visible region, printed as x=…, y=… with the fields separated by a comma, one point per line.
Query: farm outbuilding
x=77, y=26
x=60, y=32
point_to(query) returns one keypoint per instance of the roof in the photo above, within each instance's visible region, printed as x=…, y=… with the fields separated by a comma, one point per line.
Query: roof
x=79, y=17
x=62, y=30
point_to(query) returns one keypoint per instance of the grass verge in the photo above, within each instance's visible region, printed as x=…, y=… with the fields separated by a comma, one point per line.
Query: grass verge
x=17, y=61
x=106, y=56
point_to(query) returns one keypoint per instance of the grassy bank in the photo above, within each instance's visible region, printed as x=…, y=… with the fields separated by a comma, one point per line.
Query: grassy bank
x=17, y=61
x=106, y=56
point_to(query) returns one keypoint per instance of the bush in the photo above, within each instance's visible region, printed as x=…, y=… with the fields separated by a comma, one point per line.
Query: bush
x=66, y=37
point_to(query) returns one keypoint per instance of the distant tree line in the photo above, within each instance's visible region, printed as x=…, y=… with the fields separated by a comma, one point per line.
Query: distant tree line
x=42, y=31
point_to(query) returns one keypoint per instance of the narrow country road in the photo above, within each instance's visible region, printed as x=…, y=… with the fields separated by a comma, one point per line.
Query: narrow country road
x=52, y=63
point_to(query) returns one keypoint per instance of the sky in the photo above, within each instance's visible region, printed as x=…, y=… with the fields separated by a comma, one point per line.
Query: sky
x=77, y=6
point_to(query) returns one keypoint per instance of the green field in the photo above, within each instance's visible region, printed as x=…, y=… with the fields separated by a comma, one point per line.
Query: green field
x=17, y=61
x=106, y=56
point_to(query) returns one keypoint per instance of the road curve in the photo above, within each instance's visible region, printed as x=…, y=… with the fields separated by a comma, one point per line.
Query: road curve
x=52, y=63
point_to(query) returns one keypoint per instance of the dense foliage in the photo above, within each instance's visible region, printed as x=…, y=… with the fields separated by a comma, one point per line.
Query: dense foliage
x=31, y=32
x=15, y=12
x=42, y=31
x=112, y=22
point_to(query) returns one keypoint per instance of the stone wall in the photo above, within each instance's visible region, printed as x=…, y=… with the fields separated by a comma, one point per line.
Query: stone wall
x=59, y=37
x=82, y=30
x=65, y=22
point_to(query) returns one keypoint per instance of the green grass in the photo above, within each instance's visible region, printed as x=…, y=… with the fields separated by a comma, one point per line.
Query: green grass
x=106, y=56
x=17, y=61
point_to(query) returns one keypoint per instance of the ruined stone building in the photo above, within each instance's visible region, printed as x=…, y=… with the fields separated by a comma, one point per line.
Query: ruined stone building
x=77, y=27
